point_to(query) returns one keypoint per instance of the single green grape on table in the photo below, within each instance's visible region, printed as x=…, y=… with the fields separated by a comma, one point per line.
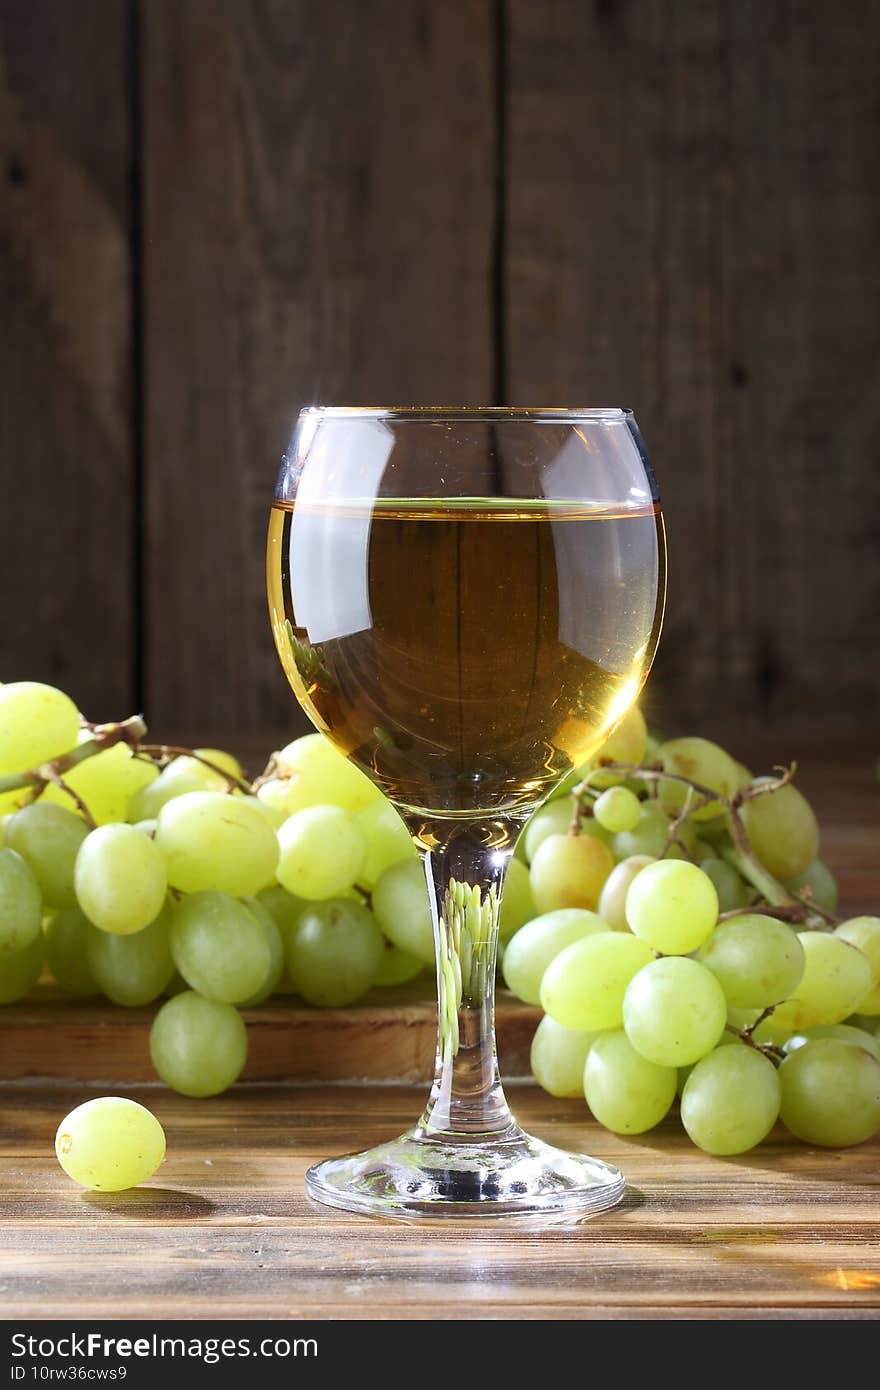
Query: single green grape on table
x=110, y=1144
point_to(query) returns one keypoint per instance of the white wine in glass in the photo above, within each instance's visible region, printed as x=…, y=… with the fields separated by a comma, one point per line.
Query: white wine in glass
x=466, y=602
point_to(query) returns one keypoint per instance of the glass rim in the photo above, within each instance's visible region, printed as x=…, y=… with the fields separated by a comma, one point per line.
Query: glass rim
x=491, y=413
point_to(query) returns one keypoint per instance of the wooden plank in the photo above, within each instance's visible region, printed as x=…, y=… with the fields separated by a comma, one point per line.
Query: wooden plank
x=225, y=1228
x=318, y=227
x=391, y=1036
x=65, y=351
x=690, y=232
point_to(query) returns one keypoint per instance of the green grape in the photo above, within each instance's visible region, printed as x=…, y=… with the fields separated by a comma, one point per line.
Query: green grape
x=733, y=891
x=271, y=799
x=818, y=885
x=558, y=1057
x=626, y=744
x=864, y=933
x=205, y=778
x=569, y=871
x=133, y=969
x=844, y=1031
x=120, y=879
x=673, y=906
x=212, y=841
x=403, y=909
x=757, y=960
x=730, y=1101
x=219, y=947
x=66, y=938
x=387, y=840
x=674, y=1011
x=517, y=903
x=146, y=802
x=612, y=899
x=650, y=836
x=21, y=910
x=617, y=809
x=725, y=1040
x=48, y=839
x=653, y=742
x=528, y=953
x=782, y=830
x=283, y=906
x=584, y=986
x=197, y=1046
x=147, y=827
x=20, y=970
x=831, y=1093
x=701, y=761
x=37, y=723
x=625, y=1092
x=554, y=818
x=106, y=782
x=322, y=852
x=334, y=953
x=317, y=770
x=836, y=978
x=716, y=832
x=277, y=954
x=397, y=967
x=110, y=1144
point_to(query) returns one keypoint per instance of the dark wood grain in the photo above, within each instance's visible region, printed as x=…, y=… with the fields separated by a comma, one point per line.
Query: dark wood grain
x=692, y=231
x=225, y=1229
x=319, y=200
x=69, y=488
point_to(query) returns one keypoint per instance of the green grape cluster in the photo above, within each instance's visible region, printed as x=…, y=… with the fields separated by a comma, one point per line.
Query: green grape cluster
x=661, y=956
x=189, y=893
x=641, y=912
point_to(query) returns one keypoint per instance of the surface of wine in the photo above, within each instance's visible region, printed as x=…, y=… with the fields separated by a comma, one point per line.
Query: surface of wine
x=466, y=652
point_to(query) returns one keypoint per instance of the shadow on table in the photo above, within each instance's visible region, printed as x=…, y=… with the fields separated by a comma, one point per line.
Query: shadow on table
x=152, y=1203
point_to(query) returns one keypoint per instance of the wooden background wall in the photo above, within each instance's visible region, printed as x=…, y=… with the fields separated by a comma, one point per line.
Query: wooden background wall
x=216, y=210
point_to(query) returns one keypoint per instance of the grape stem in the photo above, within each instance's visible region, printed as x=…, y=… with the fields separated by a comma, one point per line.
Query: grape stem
x=163, y=753
x=784, y=912
x=129, y=731
x=769, y=1050
x=740, y=854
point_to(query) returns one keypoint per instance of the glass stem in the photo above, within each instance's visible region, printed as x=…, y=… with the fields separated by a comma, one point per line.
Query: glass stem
x=465, y=865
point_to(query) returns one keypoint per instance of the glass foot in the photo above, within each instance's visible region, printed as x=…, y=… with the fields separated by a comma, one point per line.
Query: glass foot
x=513, y=1175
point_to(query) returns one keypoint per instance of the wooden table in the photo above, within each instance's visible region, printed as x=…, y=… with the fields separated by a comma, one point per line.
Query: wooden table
x=226, y=1230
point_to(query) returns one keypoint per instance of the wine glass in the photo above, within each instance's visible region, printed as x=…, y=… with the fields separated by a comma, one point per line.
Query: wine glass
x=465, y=602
